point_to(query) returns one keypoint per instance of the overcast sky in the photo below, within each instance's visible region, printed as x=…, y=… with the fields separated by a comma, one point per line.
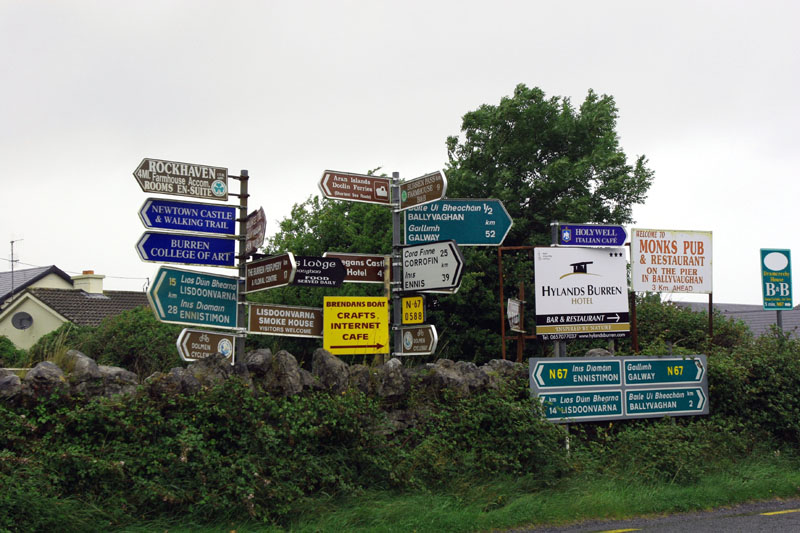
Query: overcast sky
x=706, y=90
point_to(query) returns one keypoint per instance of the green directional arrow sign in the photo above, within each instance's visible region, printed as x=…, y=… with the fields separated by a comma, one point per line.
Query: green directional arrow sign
x=469, y=222
x=194, y=298
x=584, y=405
x=564, y=373
x=666, y=370
x=660, y=402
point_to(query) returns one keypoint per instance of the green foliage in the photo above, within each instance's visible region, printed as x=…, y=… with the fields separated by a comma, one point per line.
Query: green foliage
x=758, y=383
x=58, y=341
x=10, y=355
x=226, y=452
x=663, y=326
x=497, y=433
x=318, y=226
x=660, y=450
x=223, y=451
x=134, y=340
x=547, y=161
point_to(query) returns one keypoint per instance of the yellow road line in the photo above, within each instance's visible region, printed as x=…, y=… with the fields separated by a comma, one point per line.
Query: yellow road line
x=618, y=530
x=781, y=512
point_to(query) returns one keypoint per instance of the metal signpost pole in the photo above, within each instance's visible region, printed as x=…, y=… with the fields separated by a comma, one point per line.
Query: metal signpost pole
x=559, y=347
x=397, y=264
x=242, y=264
x=502, y=302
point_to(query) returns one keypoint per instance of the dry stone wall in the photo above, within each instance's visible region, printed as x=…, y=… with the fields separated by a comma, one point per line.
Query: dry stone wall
x=276, y=374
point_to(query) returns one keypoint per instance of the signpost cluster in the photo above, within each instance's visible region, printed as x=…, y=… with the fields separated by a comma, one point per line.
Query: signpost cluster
x=581, y=284
x=205, y=234
x=428, y=230
x=363, y=325
x=200, y=234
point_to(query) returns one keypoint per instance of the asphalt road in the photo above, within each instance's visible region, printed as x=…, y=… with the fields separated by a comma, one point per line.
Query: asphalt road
x=774, y=516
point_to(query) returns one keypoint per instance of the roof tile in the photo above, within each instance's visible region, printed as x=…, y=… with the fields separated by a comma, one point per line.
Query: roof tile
x=89, y=309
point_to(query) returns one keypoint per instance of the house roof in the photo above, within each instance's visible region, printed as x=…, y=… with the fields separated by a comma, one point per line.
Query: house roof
x=22, y=279
x=755, y=317
x=88, y=309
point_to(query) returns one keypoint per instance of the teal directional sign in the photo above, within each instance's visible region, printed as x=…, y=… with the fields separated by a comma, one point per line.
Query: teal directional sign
x=582, y=389
x=576, y=373
x=663, y=370
x=194, y=298
x=583, y=406
x=469, y=222
x=661, y=402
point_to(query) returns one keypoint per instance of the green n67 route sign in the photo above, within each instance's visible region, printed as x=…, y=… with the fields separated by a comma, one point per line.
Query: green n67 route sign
x=663, y=370
x=582, y=389
x=574, y=373
x=180, y=296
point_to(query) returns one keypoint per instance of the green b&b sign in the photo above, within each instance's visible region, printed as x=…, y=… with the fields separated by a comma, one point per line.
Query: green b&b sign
x=776, y=279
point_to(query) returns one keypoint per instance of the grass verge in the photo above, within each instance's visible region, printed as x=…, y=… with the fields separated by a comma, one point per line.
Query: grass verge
x=511, y=503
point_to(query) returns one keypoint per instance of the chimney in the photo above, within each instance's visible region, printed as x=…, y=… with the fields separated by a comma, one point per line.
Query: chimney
x=89, y=282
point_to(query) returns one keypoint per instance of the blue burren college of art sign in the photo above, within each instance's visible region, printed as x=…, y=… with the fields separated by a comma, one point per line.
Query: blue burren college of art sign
x=186, y=249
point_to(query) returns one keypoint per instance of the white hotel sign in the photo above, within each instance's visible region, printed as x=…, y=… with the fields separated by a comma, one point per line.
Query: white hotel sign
x=581, y=292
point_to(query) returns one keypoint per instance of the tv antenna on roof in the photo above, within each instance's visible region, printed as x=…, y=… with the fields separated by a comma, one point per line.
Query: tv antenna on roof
x=12, y=267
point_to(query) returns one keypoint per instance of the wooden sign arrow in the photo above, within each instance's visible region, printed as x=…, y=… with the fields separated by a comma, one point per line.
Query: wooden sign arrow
x=418, y=340
x=256, y=231
x=419, y=191
x=196, y=344
x=182, y=179
x=356, y=187
x=361, y=268
x=269, y=273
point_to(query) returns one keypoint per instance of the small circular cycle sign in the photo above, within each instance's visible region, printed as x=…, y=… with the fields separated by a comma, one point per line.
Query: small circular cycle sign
x=225, y=347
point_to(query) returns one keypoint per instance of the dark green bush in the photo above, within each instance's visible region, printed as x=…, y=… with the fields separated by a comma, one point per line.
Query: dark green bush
x=67, y=336
x=759, y=384
x=222, y=451
x=499, y=432
x=10, y=355
x=658, y=451
x=667, y=326
x=135, y=340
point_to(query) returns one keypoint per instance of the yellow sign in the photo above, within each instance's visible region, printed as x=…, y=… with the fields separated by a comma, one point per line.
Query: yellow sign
x=356, y=325
x=413, y=310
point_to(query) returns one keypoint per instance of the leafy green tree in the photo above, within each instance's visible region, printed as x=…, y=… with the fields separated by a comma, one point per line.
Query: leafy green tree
x=318, y=226
x=546, y=161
